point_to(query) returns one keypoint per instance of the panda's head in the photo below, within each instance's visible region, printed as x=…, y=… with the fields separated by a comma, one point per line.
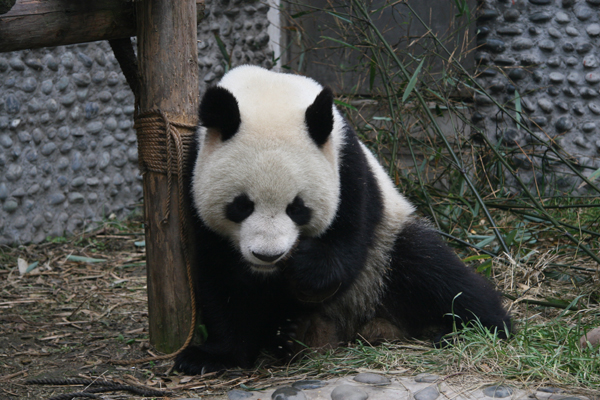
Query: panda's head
x=267, y=167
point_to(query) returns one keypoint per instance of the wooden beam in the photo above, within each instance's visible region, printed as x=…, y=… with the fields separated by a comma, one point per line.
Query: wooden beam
x=168, y=70
x=42, y=23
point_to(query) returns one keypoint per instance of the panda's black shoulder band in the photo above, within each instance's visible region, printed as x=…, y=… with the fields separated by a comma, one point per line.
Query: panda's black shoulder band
x=219, y=110
x=319, y=117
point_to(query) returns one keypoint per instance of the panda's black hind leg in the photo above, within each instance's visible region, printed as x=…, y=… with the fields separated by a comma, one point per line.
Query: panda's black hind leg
x=281, y=344
x=431, y=290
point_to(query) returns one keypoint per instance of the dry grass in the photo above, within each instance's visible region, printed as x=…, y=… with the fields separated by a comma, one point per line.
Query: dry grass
x=67, y=318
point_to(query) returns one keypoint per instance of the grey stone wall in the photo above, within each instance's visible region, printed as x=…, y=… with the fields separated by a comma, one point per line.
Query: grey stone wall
x=68, y=151
x=547, y=52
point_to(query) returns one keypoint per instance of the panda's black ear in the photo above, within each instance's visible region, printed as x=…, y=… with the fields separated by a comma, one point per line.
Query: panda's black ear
x=219, y=110
x=319, y=117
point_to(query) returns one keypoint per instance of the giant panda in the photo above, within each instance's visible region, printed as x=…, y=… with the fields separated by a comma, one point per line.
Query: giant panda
x=297, y=221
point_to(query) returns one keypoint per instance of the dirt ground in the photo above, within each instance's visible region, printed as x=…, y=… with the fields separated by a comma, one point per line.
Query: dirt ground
x=69, y=316
x=82, y=304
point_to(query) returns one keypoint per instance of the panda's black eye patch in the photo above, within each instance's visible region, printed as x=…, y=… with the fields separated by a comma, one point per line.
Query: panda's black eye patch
x=239, y=209
x=298, y=212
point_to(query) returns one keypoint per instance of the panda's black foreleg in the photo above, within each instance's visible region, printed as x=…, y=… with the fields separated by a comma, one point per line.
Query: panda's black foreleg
x=221, y=351
x=238, y=327
x=321, y=269
x=198, y=360
x=430, y=288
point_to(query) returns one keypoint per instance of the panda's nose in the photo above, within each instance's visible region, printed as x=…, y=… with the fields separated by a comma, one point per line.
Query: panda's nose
x=267, y=257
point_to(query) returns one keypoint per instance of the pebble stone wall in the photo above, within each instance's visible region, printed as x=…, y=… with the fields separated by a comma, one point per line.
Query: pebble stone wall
x=68, y=151
x=68, y=154
x=548, y=52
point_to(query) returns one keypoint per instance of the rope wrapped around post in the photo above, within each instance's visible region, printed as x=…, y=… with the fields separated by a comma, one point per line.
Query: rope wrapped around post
x=163, y=146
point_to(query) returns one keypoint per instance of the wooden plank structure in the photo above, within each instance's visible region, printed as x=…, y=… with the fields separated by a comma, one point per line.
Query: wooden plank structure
x=167, y=80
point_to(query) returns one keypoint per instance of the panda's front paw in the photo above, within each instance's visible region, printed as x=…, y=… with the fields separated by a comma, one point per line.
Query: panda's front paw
x=194, y=361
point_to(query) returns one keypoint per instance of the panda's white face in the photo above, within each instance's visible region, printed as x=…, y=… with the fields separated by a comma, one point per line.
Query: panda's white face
x=270, y=182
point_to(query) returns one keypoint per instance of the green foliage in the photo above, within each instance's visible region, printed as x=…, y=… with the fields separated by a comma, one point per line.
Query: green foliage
x=470, y=185
x=535, y=352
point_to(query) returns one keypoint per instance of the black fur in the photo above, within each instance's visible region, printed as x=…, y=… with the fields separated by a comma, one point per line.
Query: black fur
x=430, y=287
x=239, y=209
x=319, y=117
x=298, y=212
x=219, y=110
x=243, y=311
x=331, y=262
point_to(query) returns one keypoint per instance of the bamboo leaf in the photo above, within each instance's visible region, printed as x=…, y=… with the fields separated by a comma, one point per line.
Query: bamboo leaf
x=344, y=104
x=84, y=259
x=341, y=42
x=518, y=109
x=477, y=257
x=485, y=242
x=336, y=15
x=412, y=82
x=222, y=48
x=32, y=266
x=372, y=74
x=591, y=178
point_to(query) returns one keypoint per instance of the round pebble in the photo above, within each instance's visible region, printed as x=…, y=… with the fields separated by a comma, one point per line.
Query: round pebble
x=555, y=33
x=497, y=391
x=429, y=393
x=563, y=124
x=594, y=108
x=288, y=393
x=572, y=31
x=3, y=191
x=511, y=15
x=550, y=389
x=427, y=378
x=556, y=77
x=236, y=394
x=592, y=78
x=592, y=338
x=348, y=392
x=522, y=44
x=493, y=45
x=372, y=379
x=10, y=206
x=547, y=45
x=562, y=18
x=588, y=127
x=583, y=13
x=56, y=198
x=540, y=17
x=75, y=198
x=11, y=104
x=308, y=384
x=545, y=105
x=588, y=93
x=593, y=30
x=583, y=48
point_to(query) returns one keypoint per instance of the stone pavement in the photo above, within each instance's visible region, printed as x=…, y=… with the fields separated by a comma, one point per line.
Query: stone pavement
x=372, y=386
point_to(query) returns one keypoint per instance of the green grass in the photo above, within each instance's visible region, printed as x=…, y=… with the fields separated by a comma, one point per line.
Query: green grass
x=537, y=353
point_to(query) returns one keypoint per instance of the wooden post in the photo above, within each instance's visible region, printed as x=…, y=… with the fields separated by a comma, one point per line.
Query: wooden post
x=168, y=66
